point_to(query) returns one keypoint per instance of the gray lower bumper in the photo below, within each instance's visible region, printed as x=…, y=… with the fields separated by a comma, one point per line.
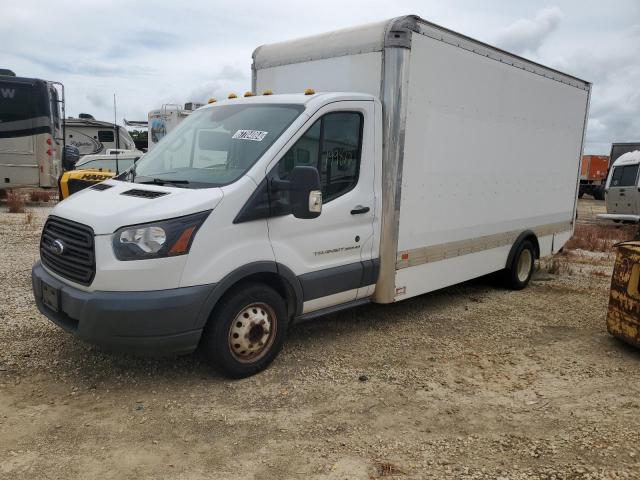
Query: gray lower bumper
x=160, y=322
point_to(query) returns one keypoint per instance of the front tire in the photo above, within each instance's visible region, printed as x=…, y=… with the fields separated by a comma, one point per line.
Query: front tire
x=519, y=273
x=246, y=330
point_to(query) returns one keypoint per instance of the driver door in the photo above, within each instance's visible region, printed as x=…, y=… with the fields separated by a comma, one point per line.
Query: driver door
x=330, y=254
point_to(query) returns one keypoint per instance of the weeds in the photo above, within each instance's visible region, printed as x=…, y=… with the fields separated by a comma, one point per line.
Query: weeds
x=387, y=469
x=39, y=196
x=28, y=218
x=599, y=238
x=559, y=265
x=15, y=202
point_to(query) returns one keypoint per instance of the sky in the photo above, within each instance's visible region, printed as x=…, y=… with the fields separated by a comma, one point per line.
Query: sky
x=153, y=52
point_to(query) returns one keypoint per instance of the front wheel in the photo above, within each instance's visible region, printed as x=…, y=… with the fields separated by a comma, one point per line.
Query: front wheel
x=246, y=330
x=519, y=273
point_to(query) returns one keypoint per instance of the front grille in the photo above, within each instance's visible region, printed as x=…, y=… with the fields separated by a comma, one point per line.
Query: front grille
x=77, y=260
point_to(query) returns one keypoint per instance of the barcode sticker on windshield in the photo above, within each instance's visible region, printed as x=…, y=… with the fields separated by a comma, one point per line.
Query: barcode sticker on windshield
x=255, y=135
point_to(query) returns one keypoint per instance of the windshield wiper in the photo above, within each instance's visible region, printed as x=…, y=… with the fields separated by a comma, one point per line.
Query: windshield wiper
x=163, y=181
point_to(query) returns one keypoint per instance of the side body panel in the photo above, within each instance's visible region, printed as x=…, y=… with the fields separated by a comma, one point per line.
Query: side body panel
x=24, y=161
x=463, y=199
x=18, y=161
x=86, y=139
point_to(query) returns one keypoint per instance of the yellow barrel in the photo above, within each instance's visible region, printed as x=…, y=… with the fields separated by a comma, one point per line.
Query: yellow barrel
x=623, y=317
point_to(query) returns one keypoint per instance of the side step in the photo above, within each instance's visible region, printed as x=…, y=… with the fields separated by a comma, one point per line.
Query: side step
x=326, y=311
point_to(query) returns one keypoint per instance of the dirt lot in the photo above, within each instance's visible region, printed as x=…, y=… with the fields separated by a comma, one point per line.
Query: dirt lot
x=468, y=382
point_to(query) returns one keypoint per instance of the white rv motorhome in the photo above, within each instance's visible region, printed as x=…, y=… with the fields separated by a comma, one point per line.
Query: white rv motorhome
x=415, y=166
x=31, y=132
x=623, y=189
x=166, y=118
x=93, y=137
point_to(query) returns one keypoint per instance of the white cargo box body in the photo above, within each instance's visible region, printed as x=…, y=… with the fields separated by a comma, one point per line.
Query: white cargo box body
x=479, y=145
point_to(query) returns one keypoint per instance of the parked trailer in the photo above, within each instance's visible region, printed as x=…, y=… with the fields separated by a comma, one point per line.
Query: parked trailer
x=385, y=185
x=94, y=137
x=593, y=175
x=31, y=132
x=166, y=118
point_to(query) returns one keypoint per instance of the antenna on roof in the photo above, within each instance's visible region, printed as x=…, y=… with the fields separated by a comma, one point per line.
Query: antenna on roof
x=116, y=132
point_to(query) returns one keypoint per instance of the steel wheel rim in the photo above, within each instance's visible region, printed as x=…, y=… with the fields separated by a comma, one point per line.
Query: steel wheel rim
x=252, y=332
x=524, y=264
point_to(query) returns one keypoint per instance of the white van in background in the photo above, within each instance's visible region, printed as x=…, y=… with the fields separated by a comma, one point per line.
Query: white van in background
x=623, y=189
x=386, y=184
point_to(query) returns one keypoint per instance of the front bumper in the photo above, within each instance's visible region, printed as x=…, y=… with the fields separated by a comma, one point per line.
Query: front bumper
x=157, y=322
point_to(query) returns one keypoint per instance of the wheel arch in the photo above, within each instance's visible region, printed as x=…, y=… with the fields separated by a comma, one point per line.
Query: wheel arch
x=526, y=235
x=276, y=275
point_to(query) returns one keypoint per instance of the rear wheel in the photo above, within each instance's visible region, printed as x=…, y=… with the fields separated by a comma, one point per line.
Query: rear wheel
x=246, y=330
x=518, y=274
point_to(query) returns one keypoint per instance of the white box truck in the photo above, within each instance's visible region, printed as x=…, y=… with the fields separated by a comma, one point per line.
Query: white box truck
x=425, y=159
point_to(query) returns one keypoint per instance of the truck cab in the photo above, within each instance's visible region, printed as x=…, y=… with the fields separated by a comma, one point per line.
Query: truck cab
x=228, y=195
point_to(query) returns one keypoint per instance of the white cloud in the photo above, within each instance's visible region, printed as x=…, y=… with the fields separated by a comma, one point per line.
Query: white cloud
x=151, y=52
x=526, y=36
x=612, y=65
x=98, y=100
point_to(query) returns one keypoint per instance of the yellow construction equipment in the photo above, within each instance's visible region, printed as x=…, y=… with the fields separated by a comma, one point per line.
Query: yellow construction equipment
x=623, y=317
x=76, y=180
x=92, y=169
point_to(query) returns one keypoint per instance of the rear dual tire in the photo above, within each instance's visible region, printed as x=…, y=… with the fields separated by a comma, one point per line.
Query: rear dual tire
x=246, y=330
x=519, y=273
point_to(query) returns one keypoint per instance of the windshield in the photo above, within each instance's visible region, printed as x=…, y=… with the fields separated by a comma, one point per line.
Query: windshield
x=215, y=146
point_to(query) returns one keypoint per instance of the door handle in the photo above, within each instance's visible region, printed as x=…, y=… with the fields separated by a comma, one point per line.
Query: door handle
x=359, y=209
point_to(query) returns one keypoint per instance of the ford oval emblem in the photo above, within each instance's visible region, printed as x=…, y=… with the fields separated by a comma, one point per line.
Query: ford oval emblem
x=57, y=247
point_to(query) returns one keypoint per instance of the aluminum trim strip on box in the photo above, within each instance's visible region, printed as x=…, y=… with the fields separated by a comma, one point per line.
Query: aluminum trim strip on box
x=443, y=251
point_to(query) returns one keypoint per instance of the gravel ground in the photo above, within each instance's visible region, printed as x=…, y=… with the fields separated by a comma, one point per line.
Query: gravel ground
x=469, y=382
x=588, y=209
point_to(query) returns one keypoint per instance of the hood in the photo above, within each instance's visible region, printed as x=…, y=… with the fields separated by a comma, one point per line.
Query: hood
x=107, y=209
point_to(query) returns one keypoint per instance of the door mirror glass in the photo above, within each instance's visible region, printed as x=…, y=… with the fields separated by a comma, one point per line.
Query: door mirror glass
x=304, y=192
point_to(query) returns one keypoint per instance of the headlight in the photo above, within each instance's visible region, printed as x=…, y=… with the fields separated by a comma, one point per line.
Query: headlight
x=166, y=238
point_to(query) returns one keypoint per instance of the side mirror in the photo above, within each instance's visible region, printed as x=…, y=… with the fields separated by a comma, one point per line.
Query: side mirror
x=305, y=194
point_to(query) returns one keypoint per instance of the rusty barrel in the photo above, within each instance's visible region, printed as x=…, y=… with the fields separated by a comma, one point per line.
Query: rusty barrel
x=623, y=317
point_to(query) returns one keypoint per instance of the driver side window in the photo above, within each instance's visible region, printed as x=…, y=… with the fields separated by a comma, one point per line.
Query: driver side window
x=333, y=145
